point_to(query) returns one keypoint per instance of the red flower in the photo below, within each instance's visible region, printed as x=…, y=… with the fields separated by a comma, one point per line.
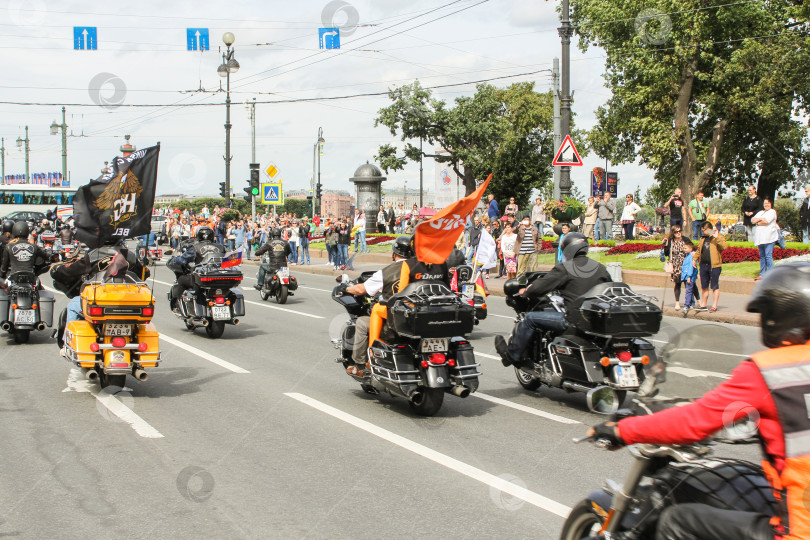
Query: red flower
x=632, y=248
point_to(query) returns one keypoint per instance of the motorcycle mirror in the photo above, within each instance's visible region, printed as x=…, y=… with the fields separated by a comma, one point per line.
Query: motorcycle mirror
x=602, y=400
x=344, y=279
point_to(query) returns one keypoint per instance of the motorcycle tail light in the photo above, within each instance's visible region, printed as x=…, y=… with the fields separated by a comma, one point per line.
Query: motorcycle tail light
x=605, y=361
x=94, y=347
x=143, y=346
x=219, y=300
x=624, y=356
x=118, y=342
x=148, y=311
x=424, y=364
x=96, y=311
x=437, y=358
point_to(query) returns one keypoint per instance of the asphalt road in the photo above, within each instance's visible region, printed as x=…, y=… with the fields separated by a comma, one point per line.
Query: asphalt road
x=260, y=434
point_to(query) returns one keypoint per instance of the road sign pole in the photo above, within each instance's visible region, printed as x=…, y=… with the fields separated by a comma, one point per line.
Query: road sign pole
x=565, y=31
x=253, y=149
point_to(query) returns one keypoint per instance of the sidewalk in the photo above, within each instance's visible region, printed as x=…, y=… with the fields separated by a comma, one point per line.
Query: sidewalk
x=730, y=308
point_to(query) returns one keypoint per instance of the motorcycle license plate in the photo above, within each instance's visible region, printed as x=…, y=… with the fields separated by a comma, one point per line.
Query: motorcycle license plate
x=432, y=345
x=284, y=272
x=25, y=316
x=468, y=291
x=221, y=313
x=626, y=376
x=117, y=330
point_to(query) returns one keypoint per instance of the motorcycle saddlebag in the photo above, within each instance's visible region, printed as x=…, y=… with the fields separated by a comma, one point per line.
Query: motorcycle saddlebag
x=293, y=284
x=426, y=319
x=238, y=303
x=3, y=305
x=614, y=310
x=46, y=307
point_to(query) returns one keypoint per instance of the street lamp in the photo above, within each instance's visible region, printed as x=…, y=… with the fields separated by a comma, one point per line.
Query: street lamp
x=54, y=131
x=27, y=151
x=318, y=151
x=229, y=65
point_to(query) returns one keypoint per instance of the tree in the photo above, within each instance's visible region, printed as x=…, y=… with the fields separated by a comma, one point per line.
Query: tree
x=709, y=94
x=506, y=132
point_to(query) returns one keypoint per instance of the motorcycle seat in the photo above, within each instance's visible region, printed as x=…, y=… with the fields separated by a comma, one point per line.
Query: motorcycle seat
x=23, y=278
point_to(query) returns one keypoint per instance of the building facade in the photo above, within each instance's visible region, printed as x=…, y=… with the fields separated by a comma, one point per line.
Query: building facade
x=336, y=204
x=407, y=196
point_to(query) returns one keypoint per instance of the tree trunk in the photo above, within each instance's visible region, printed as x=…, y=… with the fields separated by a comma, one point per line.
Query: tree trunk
x=467, y=178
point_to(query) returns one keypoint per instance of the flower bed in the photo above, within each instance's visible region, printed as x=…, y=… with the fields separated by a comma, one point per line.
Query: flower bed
x=635, y=247
x=738, y=254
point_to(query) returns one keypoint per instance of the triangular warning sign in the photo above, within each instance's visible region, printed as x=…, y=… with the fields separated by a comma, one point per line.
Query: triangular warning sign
x=567, y=154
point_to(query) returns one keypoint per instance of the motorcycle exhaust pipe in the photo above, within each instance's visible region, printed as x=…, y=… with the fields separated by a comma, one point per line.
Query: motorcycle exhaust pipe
x=416, y=396
x=6, y=326
x=204, y=322
x=40, y=326
x=90, y=374
x=460, y=391
x=235, y=322
x=140, y=374
x=567, y=385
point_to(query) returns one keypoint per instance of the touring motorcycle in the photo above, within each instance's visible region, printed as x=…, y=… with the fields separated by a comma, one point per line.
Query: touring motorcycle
x=425, y=354
x=462, y=281
x=23, y=307
x=603, y=346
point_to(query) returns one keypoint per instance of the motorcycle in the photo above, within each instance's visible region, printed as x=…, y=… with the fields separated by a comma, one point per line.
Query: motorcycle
x=213, y=301
x=424, y=355
x=462, y=282
x=280, y=285
x=66, y=251
x=150, y=252
x=116, y=337
x=23, y=307
x=664, y=475
x=603, y=346
x=47, y=240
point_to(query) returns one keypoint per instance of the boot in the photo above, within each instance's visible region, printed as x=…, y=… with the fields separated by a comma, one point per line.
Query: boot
x=502, y=349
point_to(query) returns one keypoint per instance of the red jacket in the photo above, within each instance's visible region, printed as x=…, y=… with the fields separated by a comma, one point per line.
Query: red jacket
x=743, y=391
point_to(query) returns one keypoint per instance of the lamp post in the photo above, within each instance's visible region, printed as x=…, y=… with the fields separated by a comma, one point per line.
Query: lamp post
x=229, y=65
x=566, y=30
x=2, y=160
x=54, y=130
x=27, y=151
x=251, y=108
x=319, y=152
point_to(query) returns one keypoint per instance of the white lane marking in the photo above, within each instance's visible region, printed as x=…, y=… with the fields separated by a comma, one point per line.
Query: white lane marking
x=689, y=372
x=703, y=350
x=263, y=305
x=490, y=356
x=501, y=316
x=530, y=410
x=442, y=459
x=76, y=382
x=204, y=355
x=300, y=286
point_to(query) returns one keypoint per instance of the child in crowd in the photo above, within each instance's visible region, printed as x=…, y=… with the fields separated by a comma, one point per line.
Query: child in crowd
x=688, y=275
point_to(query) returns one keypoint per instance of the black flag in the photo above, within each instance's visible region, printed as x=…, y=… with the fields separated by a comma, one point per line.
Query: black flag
x=118, y=205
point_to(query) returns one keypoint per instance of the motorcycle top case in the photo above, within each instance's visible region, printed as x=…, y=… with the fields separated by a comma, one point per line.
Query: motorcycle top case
x=214, y=277
x=613, y=310
x=120, y=301
x=424, y=316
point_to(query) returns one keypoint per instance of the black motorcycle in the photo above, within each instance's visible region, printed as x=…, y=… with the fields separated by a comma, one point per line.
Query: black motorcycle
x=213, y=301
x=664, y=475
x=462, y=281
x=23, y=307
x=279, y=284
x=424, y=355
x=603, y=345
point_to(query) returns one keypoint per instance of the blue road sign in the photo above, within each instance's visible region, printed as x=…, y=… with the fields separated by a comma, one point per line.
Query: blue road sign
x=329, y=38
x=197, y=39
x=85, y=38
x=271, y=193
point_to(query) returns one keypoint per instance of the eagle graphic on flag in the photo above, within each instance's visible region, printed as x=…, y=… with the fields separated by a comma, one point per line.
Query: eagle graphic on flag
x=232, y=258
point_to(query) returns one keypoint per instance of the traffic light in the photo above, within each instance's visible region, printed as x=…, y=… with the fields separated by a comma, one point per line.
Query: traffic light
x=254, y=179
x=249, y=196
x=223, y=191
x=309, y=200
x=318, y=191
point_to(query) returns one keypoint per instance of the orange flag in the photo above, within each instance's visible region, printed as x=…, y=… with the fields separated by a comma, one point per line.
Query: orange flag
x=436, y=237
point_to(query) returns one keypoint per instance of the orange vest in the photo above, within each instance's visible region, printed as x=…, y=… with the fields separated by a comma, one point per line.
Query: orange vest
x=786, y=371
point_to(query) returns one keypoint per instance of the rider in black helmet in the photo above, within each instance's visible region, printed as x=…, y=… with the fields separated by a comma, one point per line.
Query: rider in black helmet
x=21, y=255
x=202, y=249
x=572, y=278
x=277, y=251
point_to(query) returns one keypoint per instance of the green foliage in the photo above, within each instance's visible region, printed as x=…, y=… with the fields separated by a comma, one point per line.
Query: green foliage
x=299, y=207
x=787, y=215
x=507, y=132
x=230, y=215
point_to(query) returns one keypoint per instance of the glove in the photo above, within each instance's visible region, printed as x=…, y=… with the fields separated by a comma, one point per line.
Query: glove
x=340, y=290
x=607, y=432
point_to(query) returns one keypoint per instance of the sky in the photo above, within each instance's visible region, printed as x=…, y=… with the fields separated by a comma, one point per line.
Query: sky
x=142, y=60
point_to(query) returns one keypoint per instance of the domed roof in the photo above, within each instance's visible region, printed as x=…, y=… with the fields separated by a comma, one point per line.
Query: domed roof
x=367, y=170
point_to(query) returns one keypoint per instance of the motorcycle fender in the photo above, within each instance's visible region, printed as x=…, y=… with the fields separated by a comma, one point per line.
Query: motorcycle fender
x=78, y=337
x=147, y=333
x=465, y=356
x=601, y=502
x=116, y=360
x=238, y=303
x=4, y=303
x=437, y=377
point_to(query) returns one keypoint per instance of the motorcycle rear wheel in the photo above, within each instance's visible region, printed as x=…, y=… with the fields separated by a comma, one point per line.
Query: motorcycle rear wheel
x=111, y=380
x=214, y=329
x=527, y=381
x=281, y=294
x=430, y=402
x=21, y=336
x=581, y=523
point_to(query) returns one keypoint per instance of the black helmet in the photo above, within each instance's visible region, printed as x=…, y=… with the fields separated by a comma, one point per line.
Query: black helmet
x=782, y=299
x=205, y=234
x=8, y=225
x=20, y=230
x=402, y=246
x=275, y=232
x=574, y=245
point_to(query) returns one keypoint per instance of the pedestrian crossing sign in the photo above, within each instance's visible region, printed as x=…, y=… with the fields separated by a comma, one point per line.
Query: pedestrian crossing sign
x=272, y=194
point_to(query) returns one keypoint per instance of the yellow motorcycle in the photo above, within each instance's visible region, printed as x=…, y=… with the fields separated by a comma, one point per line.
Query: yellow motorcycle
x=116, y=337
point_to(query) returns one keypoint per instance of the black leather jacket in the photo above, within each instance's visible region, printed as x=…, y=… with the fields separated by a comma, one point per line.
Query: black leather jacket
x=22, y=256
x=277, y=251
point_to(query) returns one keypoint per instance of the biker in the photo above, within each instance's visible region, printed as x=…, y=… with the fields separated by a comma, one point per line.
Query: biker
x=66, y=235
x=277, y=251
x=572, y=278
x=21, y=255
x=772, y=384
x=5, y=236
x=385, y=280
x=44, y=226
x=196, y=252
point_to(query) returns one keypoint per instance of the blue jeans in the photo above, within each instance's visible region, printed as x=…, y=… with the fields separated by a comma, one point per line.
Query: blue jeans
x=765, y=257
x=696, y=229
x=330, y=252
x=805, y=235
x=360, y=245
x=553, y=321
x=343, y=254
x=596, y=231
x=74, y=311
x=293, y=258
x=304, y=250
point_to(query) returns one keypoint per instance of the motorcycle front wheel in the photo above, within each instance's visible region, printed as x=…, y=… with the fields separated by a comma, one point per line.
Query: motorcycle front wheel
x=281, y=294
x=264, y=294
x=429, y=402
x=214, y=329
x=581, y=523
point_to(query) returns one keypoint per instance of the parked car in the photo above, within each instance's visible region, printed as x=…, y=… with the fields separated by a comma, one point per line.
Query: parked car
x=158, y=227
x=33, y=218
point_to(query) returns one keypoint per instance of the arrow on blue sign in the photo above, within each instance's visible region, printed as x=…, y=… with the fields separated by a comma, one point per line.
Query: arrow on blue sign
x=197, y=39
x=329, y=38
x=271, y=193
x=85, y=38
